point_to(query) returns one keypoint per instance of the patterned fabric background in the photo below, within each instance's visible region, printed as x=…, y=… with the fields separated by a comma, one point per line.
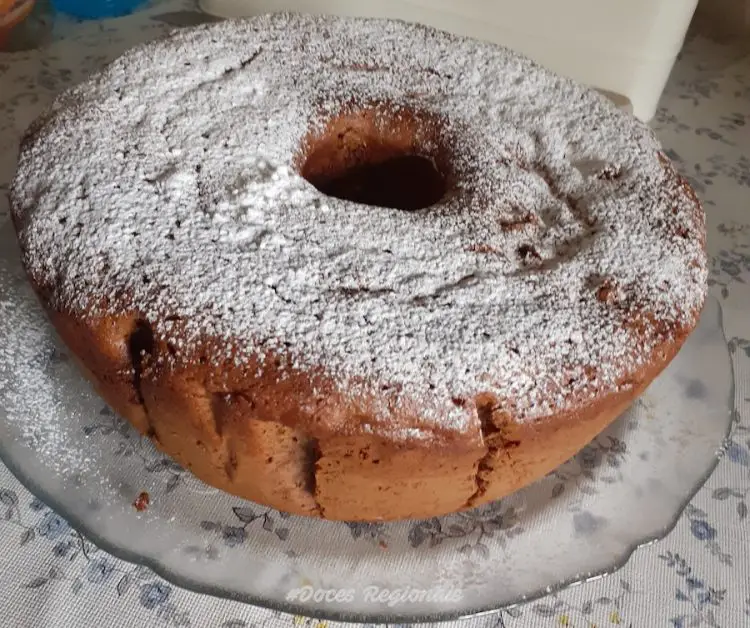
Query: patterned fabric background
x=51, y=576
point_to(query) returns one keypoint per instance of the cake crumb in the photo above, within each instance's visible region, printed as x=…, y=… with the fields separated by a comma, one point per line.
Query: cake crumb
x=142, y=502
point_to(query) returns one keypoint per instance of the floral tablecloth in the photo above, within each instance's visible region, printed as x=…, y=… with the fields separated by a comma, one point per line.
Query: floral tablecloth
x=51, y=576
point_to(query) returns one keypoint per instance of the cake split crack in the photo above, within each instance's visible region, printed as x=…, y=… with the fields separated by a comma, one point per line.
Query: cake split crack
x=141, y=344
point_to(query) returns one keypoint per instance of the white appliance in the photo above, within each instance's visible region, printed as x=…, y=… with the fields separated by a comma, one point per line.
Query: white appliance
x=624, y=46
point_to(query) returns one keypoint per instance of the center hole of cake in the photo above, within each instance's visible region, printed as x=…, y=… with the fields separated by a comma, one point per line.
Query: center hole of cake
x=373, y=172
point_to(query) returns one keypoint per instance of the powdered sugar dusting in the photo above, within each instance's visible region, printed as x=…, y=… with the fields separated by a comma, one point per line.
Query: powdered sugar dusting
x=33, y=399
x=170, y=177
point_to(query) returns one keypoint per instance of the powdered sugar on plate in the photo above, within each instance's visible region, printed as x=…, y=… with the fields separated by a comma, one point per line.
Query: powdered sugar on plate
x=170, y=176
x=32, y=397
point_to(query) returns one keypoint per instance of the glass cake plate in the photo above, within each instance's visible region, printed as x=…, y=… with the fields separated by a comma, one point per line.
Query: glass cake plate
x=627, y=488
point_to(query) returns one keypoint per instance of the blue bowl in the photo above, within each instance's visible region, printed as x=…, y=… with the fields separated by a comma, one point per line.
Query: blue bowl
x=96, y=9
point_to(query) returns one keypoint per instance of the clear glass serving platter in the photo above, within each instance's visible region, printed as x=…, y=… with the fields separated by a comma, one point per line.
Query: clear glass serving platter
x=627, y=488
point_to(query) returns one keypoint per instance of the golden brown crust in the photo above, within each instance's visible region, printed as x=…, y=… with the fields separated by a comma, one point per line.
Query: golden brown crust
x=101, y=351
x=255, y=443
x=519, y=453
